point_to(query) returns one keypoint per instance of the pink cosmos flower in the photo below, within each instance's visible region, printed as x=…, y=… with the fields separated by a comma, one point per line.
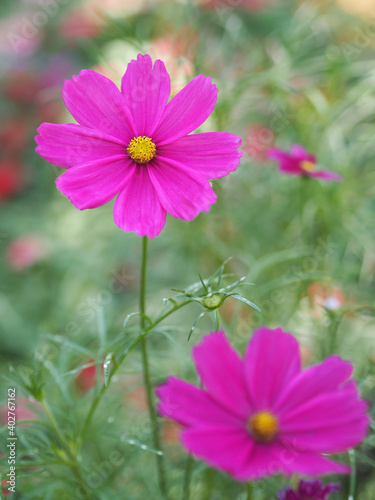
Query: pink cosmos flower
x=300, y=162
x=135, y=144
x=264, y=415
x=309, y=490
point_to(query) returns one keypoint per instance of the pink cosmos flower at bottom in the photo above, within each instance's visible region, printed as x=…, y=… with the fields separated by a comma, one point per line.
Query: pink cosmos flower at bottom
x=263, y=414
x=309, y=490
x=299, y=162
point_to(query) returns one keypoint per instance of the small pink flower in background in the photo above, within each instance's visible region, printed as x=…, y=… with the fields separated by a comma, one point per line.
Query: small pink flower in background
x=264, y=415
x=173, y=52
x=258, y=139
x=330, y=297
x=81, y=22
x=309, y=490
x=25, y=251
x=135, y=144
x=299, y=162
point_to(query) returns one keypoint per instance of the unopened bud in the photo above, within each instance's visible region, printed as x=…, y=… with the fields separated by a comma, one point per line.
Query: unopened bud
x=212, y=302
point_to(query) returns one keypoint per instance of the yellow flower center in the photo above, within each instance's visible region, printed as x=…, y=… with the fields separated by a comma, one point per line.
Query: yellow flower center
x=141, y=149
x=263, y=426
x=307, y=166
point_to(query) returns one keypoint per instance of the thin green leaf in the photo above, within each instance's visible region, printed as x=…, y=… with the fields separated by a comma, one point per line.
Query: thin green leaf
x=131, y=315
x=203, y=284
x=242, y=299
x=68, y=343
x=196, y=322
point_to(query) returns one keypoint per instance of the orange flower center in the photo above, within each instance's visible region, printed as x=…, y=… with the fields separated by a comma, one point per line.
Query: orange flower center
x=141, y=149
x=263, y=426
x=307, y=166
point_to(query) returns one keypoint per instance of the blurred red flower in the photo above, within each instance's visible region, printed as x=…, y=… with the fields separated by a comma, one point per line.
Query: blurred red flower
x=4, y=488
x=11, y=179
x=85, y=379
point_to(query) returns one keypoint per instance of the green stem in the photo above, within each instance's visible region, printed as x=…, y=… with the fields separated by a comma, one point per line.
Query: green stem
x=187, y=478
x=146, y=372
x=250, y=491
x=333, y=333
x=209, y=477
x=353, y=475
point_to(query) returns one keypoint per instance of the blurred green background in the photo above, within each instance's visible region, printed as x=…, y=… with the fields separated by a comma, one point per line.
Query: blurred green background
x=287, y=72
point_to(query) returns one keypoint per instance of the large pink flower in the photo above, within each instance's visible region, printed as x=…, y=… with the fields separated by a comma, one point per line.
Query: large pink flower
x=263, y=415
x=135, y=143
x=299, y=162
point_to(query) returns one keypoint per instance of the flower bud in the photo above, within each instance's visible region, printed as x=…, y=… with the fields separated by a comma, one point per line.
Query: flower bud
x=213, y=301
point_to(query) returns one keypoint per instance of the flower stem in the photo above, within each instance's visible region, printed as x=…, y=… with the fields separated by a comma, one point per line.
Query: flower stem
x=353, y=475
x=187, y=478
x=97, y=399
x=250, y=490
x=146, y=372
x=208, y=480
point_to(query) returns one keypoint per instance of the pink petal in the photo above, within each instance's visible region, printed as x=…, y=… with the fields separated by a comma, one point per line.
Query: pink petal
x=275, y=458
x=278, y=154
x=272, y=360
x=326, y=175
x=137, y=207
x=221, y=370
x=71, y=145
x=291, y=167
x=309, y=464
x=146, y=92
x=287, y=164
x=266, y=460
x=314, y=381
x=330, y=423
x=95, y=102
x=191, y=406
x=183, y=193
x=224, y=447
x=213, y=154
x=96, y=183
x=187, y=110
x=301, y=154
